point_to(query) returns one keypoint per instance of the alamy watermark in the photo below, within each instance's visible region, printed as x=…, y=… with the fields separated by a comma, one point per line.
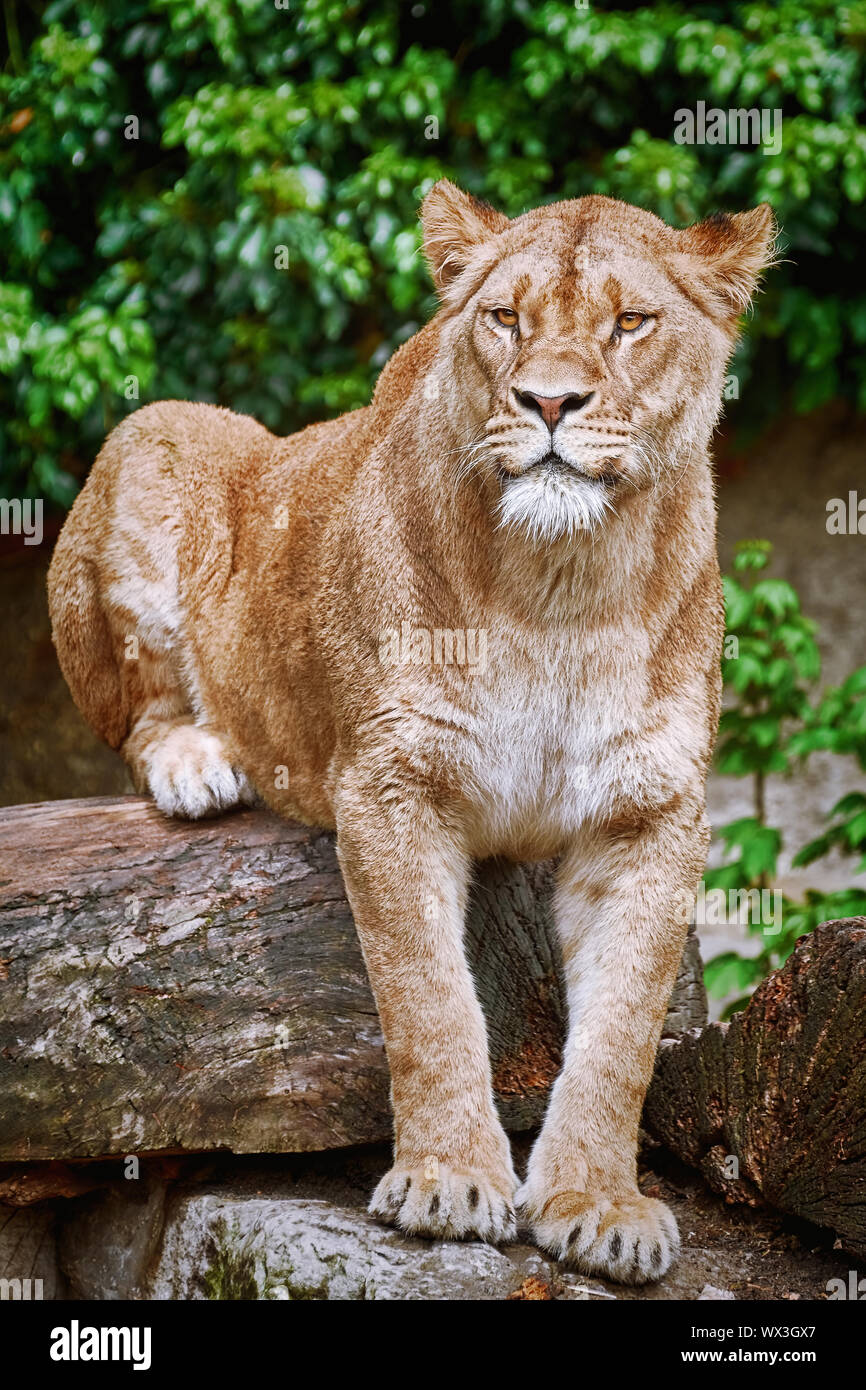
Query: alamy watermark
x=440, y=646
x=741, y=126
x=714, y=907
x=77, y=1343
x=20, y=1289
x=854, y=1290
x=22, y=517
x=847, y=518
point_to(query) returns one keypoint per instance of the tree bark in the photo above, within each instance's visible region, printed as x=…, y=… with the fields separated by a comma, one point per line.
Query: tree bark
x=772, y=1106
x=173, y=987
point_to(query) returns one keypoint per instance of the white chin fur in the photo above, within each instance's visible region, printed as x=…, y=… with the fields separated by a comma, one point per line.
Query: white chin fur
x=550, y=505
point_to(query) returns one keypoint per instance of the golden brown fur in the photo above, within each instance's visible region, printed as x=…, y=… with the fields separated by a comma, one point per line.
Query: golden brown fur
x=532, y=481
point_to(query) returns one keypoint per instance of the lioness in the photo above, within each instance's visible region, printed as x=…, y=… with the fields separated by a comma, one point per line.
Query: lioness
x=533, y=468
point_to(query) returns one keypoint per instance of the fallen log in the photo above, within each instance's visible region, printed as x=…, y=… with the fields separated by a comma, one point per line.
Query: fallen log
x=171, y=987
x=772, y=1106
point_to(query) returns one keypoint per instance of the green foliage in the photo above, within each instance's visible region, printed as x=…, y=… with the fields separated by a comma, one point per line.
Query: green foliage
x=770, y=725
x=317, y=128
x=773, y=657
x=839, y=725
x=730, y=973
x=757, y=846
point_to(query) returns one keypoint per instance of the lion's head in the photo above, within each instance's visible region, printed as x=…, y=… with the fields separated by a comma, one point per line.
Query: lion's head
x=583, y=346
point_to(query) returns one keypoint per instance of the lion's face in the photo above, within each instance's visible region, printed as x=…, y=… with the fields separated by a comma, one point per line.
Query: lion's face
x=585, y=346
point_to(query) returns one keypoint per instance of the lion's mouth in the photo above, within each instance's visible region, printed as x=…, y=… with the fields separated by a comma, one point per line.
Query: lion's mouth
x=555, y=463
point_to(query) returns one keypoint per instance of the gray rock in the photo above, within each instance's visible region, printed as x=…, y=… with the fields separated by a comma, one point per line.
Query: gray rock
x=294, y=1248
x=106, y=1241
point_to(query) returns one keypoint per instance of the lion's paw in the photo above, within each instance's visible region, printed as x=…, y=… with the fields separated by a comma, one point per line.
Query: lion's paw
x=633, y=1240
x=451, y=1203
x=190, y=776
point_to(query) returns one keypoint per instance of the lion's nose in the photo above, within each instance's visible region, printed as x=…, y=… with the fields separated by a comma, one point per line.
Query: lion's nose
x=552, y=408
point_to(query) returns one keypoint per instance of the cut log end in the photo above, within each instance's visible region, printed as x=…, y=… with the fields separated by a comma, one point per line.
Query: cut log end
x=772, y=1106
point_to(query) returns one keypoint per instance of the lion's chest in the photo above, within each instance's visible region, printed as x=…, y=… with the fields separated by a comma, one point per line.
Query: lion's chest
x=555, y=733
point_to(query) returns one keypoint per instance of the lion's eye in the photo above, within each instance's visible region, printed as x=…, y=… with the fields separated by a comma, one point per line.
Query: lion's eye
x=630, y=320
x=507, y=317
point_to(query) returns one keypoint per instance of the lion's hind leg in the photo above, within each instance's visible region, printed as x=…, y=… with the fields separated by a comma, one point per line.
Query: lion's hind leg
x=119, y=622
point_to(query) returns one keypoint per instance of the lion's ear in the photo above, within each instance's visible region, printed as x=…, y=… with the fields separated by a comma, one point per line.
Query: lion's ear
x=455, y=224
x=724, y=256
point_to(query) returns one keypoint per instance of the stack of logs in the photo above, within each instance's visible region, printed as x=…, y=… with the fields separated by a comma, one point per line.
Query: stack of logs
x=173, y=988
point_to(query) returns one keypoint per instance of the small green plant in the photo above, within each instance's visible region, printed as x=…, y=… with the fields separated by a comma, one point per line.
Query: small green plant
x=839, y=726
x=769, y=726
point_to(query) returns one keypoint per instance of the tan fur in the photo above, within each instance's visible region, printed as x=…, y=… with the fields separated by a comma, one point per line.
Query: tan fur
x=221, y=600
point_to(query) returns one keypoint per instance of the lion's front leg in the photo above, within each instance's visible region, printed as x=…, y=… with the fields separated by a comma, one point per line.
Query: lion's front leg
x=622, y=925
x=406, y=881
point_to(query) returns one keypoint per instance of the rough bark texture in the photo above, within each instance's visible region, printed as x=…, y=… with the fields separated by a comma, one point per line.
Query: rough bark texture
x=172, y=987
x=781, y=1089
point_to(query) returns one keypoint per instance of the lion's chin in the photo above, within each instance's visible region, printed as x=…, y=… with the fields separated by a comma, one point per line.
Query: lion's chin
x=550, y=505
